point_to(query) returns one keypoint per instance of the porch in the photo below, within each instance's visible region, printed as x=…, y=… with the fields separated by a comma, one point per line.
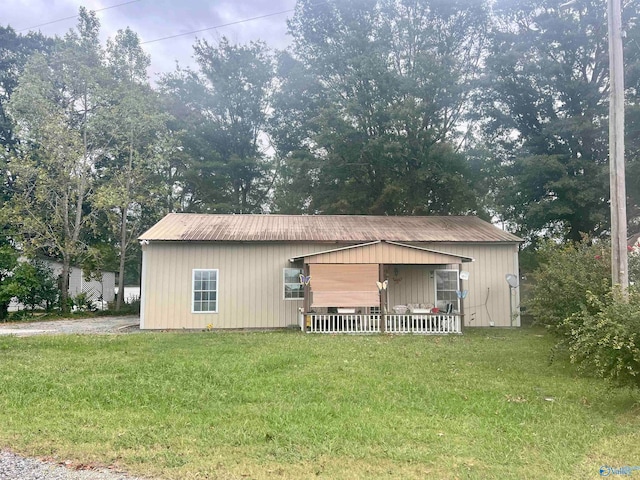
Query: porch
x=376, y=287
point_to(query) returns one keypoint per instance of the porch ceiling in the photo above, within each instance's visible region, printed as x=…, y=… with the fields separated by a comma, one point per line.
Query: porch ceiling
x=384, y=252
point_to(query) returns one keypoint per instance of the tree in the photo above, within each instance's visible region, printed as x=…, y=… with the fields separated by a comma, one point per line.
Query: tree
x=545, y=105
x=222, y=114
x=129, y=191
x=379, y=124
x=15, y=50
x=54, y=108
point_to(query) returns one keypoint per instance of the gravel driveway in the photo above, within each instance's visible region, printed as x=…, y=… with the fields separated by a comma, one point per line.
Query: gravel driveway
x=96, y=325
x=15, y=467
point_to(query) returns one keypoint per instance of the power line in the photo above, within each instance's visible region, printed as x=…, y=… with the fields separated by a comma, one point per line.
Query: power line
x=223, y=25
x=76, y=16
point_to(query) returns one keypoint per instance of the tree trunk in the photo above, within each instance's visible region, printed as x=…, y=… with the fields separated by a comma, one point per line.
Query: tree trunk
x=64, y=284
x=123, y=253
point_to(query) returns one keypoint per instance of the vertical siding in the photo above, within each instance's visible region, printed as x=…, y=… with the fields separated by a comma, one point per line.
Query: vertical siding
x=413, y=284
x=250, y=283
x=488, y=297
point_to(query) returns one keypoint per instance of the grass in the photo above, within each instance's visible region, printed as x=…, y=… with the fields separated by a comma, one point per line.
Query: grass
x=261, y=405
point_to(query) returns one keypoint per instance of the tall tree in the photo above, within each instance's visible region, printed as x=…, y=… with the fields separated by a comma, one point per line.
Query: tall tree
x=380, y=129
x=545, y=104
x=222, y=112
x=15, y=50
x=129, y=191
x=54, y=107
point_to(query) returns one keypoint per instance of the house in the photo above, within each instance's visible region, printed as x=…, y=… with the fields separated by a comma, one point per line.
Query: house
x=99, y=288
x=322, y=273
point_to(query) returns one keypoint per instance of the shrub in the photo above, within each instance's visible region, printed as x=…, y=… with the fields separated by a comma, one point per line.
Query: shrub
x=564, y=276
x=32, y=283
x=8, y=261
x=83, y=303
x=604, y=339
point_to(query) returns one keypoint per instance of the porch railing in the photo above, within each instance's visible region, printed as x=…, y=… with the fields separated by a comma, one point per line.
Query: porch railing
x=364, y=323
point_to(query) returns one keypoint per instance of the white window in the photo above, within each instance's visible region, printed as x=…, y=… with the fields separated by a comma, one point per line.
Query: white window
x=446, y=289
x=205, y=291
x=293, y=288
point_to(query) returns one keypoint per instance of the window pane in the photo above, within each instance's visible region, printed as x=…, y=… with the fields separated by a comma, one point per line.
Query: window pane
x=292, y=286
x=293, y=291
x=198, y=275
x=292, y=275
x=197, y=306
x=197, y=296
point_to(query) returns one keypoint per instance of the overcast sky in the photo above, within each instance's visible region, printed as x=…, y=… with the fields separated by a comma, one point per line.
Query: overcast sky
x=153, y=19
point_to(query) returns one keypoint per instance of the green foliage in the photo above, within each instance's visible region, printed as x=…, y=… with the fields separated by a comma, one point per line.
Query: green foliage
x=55, y=108
x=604, y=338
x=8, y=262
x=83, y=303
x=221, y=113
x=33, y=284
x=544, y=96
x=370, y=110
x=564, y=276
x=571, y=294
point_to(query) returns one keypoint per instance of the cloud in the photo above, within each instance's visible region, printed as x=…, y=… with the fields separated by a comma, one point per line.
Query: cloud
x=152, y=20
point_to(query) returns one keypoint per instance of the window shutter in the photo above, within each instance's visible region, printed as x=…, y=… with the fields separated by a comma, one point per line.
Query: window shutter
x=341, y=285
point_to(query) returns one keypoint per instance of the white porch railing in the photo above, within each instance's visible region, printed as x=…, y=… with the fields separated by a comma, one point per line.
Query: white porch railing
x=342, y=323
x=361, y=323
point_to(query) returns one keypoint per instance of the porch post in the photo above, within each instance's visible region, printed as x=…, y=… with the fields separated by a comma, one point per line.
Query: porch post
x=461, y=283
x=383, y=307
x=306, y=303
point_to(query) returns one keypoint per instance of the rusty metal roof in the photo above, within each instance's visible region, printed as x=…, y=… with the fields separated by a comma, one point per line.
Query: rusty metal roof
x=323, y=228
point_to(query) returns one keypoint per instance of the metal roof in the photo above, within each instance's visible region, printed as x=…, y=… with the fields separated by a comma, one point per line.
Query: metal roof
x=323, y=228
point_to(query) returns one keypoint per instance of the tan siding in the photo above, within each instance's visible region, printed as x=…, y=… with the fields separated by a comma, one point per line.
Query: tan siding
x=383, y=253
x=486, y=274
x=250, y=292
x=251, y=283
x=411, y=285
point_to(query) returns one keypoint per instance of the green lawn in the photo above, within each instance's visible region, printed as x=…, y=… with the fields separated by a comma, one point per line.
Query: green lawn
x=288, y=405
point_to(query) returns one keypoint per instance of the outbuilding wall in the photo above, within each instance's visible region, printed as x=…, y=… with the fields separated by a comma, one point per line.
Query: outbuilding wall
x=250, y=276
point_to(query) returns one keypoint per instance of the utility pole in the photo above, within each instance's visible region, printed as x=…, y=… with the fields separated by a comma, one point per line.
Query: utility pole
x=619, y=260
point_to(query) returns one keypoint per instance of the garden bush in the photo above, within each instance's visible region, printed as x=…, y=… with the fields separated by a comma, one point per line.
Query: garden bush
x=604, y=339
x=33, y=284
x=561, y=283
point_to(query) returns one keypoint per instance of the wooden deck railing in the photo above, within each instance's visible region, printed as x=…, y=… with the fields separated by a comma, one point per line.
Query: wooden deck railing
x=428, y=324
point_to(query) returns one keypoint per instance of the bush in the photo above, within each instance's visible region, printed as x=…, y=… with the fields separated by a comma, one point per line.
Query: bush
x=564, y=276
x=83, y=303
x=604, y=339
x=32, y=283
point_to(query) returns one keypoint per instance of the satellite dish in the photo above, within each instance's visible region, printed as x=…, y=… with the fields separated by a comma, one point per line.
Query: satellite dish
x=512, y=280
